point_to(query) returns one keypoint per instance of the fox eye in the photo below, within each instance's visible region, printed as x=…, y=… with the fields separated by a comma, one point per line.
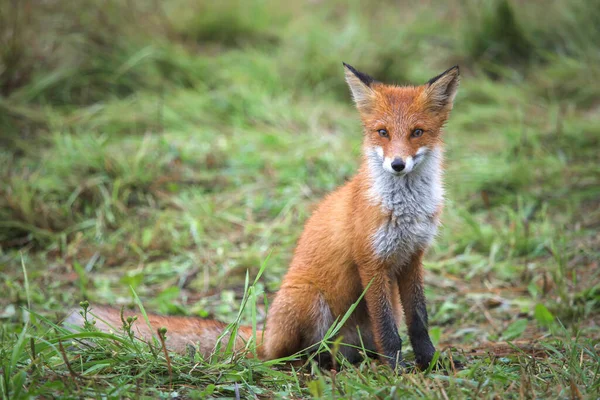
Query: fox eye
x=383, y=133
x=417, y=133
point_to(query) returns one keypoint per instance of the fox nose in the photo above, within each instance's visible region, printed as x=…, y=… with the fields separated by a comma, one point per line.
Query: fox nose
x=398, y=165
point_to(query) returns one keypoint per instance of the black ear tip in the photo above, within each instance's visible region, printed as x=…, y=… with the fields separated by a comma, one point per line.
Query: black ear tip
x=366, y=79
x=449, y=70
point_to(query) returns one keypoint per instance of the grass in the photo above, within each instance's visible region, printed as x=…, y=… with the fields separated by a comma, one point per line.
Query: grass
x=167, y=155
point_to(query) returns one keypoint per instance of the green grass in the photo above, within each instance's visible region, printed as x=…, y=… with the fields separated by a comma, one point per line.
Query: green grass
x=167, y=155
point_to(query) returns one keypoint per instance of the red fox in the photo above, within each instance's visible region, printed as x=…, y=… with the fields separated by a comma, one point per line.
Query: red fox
x=371, y=231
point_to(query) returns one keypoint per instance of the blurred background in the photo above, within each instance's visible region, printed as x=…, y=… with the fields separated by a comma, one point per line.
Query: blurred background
x=172, y=146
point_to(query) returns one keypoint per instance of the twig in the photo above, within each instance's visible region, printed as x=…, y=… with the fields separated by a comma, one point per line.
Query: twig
x=451, y=361
x=236, y=389
x=74, y=374
x=333, y=386
x=33, y=354
x=161, y=335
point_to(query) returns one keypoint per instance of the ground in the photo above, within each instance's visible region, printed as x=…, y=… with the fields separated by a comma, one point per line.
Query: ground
x=167, y=155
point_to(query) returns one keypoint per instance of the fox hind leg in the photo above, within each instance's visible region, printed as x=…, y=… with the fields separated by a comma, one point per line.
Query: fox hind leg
x=297, y=320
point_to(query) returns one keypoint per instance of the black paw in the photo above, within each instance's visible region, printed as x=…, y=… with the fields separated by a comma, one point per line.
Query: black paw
x=325, y=361
x=442, y=363
x=423, y=362
x=424, y=354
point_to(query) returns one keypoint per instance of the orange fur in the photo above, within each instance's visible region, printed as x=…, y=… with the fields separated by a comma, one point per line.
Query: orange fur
x=335, y=259
x=181, y=331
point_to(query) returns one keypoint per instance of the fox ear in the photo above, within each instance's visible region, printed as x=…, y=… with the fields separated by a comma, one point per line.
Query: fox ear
x=360, y=86
x=441, y=90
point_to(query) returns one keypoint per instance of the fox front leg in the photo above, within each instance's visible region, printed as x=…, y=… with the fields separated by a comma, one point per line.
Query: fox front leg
x=410, y=283
x=379, y=299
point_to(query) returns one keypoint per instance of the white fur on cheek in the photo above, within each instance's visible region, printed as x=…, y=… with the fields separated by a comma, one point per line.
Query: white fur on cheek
x=387, y=165
x=420, y=155
x=408, y=164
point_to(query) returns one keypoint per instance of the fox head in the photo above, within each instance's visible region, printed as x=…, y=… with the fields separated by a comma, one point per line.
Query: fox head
x=402, y=124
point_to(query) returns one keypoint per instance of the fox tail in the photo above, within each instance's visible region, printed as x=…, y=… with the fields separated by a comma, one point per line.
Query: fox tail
x=181, y=331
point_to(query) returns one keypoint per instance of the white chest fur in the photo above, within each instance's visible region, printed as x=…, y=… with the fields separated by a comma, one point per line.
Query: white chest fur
x=411, y=202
